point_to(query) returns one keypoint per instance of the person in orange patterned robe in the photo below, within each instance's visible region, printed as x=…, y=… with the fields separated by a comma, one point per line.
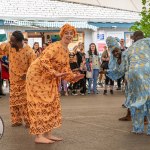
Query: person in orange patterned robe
x=43, y=78
x=20, y=58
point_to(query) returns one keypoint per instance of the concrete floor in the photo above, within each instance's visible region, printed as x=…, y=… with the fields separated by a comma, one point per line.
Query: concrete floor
x=89, y=123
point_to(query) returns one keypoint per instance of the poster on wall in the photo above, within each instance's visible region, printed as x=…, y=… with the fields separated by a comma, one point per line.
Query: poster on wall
x=100, y=37
x=101, y=47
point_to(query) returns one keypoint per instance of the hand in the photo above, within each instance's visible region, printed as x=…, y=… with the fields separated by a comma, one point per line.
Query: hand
x=23, y=77
x=61, y=74
x=75, y=47
x=78, y=77
x=107, y=59
x=119, y=61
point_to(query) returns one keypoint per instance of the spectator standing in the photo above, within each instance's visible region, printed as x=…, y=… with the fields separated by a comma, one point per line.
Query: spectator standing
x=37, y=49
x=94, y=61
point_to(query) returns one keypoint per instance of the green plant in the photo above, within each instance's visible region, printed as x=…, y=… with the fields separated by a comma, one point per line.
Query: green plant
x=144, y=23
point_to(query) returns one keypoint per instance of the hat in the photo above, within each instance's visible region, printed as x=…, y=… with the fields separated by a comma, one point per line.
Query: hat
x=112, y=42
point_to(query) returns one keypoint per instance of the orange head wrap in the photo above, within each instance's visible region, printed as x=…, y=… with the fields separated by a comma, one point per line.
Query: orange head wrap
x=67, y=27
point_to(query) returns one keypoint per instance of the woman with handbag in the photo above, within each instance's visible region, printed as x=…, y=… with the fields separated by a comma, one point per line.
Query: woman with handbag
x=105, y=61
x=94, y=62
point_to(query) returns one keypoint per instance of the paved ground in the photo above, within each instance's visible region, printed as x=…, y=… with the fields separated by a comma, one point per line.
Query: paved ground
x=89, y=123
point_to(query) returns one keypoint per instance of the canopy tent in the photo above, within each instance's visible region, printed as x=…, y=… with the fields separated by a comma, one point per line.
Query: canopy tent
x=54, y=10
x=131, y=5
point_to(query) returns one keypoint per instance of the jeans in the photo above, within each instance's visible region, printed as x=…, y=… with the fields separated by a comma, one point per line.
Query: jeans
x=94, y=79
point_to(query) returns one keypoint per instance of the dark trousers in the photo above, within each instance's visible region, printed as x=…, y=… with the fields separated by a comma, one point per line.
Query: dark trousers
x=119, y=82
x=107, y=80
x=83, y=85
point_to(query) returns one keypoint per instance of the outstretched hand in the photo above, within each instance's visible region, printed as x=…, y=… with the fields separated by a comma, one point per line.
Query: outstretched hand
x=78, y=77
x=61, y=74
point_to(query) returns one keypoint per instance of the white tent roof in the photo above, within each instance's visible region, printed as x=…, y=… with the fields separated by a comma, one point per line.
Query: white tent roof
x=52, y=10
x=132, y=5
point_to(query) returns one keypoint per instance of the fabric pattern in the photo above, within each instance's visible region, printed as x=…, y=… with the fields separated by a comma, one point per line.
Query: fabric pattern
x=19, y=62
x=19, y=113
x=42, y=88
x=136, y=67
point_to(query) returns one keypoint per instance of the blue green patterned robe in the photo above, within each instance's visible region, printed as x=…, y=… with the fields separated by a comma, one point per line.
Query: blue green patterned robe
x=136, y=67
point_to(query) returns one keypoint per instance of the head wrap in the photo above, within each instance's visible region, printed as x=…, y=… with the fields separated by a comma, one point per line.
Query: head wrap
x=112, y=42
x=67, y=27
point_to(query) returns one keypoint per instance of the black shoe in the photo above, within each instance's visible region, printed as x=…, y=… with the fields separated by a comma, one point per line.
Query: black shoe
x=111, y=92
x=105, y=92
x=74, y=93
x=82, y=93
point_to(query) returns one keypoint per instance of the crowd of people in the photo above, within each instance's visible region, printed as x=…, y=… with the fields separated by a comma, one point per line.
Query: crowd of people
x=38, y=76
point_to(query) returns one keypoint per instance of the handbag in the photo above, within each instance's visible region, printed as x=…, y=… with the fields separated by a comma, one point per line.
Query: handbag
x=104, y=65
x=88, y=74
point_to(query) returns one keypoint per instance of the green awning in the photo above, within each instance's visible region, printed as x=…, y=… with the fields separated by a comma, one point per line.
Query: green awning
x=3, y=37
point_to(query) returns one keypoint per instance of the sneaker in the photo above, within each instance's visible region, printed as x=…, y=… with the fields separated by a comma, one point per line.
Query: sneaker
x=74, y=93
x=82, y=93
x=111, y=92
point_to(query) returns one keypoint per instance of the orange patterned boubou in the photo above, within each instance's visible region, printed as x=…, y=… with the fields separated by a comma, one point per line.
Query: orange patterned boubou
x=42, y=88
x=19, y=62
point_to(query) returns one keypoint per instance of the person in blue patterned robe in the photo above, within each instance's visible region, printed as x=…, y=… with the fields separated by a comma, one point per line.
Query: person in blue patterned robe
x=136, y=66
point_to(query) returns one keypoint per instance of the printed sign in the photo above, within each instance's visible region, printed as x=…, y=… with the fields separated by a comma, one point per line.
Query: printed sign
x=101, y=47
x=100, y=37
